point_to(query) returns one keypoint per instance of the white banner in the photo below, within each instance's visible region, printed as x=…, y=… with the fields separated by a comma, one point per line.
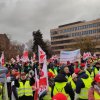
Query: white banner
x=71, y=56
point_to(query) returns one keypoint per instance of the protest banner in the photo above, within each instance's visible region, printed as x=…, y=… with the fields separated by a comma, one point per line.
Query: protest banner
x=71, y=56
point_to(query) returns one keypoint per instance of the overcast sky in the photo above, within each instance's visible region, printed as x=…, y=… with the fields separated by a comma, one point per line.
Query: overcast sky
x=20, y=18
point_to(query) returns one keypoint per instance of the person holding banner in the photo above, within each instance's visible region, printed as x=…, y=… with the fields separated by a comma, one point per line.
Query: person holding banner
x=24, y=87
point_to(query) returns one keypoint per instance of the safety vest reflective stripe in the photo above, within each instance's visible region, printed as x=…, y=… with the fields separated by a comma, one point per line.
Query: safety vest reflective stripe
x=84, y=91
x=59, y=88
x=25, y=89
x=96, y=96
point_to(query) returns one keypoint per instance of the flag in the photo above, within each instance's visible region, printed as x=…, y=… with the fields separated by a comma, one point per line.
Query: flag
x=2, y=59
x=25, y=54
x=43, y=81
x=17, y=58
x=34, y=56
x=41, y=54
x=86, y=55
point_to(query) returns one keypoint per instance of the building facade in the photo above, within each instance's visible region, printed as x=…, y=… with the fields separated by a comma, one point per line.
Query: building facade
x=10, y=50
x=64, y=37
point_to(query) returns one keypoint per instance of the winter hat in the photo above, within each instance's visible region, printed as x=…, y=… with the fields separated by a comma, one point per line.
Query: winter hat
x=50, y=75
x=82, y=65
x=76, y=70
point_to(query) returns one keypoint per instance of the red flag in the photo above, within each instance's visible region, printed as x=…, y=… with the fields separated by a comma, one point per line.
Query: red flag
x=25, y=56
x=42, y=55
x=2, y=59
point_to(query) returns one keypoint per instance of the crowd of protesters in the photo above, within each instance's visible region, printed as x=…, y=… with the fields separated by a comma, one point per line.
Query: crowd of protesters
x=70, y=81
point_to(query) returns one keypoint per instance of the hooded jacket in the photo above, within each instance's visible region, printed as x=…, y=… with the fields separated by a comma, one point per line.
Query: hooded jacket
x=79, y=83
x=68, y=89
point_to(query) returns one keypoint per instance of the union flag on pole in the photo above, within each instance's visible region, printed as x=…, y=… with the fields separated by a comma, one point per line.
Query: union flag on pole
x=41, y=54
x=2, y=59
x=25, y=56
x=34, y=56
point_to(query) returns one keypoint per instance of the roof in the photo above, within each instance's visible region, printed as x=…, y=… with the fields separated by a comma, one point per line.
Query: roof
x=71, y=24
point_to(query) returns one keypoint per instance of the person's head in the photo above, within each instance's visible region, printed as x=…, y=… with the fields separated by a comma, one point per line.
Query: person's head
x=76, y=64
x=68, y=63
x=23, y=76
x=88, y=66
x=97, y=80
x=74, y=77
x=64, y=70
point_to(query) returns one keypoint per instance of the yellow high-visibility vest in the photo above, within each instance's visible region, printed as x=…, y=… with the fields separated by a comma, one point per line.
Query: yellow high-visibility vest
x=53, y=72
x=69, y=78
x=59, y=88
x=73, y=85
x=1, y=92
x=96, y=96
x=90, y=75
x=25, y=89
x=84, y=91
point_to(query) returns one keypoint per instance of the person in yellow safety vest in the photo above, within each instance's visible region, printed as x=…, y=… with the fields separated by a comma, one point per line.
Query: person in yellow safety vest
x=89, y=72
x=1, y=91
x=24, y=87
x=96, y=68
x=52, y=69
x=73, y=81
x=61, y=85
x=82, y=85
x=94, y=91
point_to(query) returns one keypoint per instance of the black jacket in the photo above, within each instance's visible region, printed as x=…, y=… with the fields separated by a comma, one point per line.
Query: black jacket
x=68, y=89
x=79, y=83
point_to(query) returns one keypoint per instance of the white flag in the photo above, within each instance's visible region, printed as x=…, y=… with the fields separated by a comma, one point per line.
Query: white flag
x=41, y=54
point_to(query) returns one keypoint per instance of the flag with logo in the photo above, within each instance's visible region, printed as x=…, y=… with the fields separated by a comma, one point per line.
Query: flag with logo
x=25, y=54
x=43, y=81
x=42, y=55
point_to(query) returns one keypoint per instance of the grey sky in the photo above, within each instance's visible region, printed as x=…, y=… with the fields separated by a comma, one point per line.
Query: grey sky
x=21, y=17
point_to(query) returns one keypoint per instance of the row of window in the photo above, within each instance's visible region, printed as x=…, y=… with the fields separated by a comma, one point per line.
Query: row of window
x=63, y=47
x=88, y=32
x=62, y=41
x=78, y=28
